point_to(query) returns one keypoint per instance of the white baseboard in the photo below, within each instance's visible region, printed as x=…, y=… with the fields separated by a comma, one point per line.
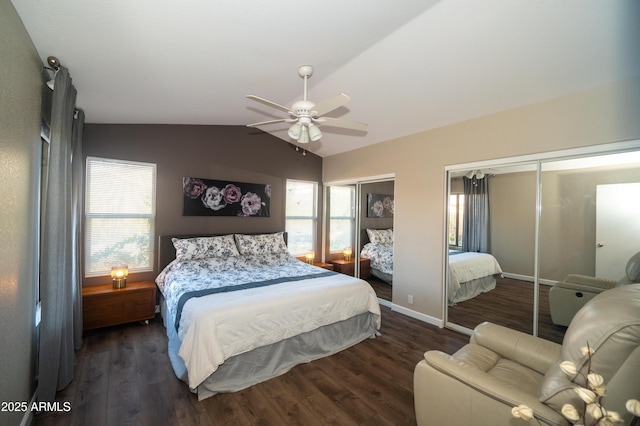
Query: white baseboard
x=418, y=315
x=527, y=278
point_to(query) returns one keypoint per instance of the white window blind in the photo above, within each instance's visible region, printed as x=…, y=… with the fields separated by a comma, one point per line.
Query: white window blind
x=120, y=207
x=301, y=216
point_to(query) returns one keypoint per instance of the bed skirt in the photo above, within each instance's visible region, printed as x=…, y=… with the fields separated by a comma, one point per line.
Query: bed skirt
x=266, y=362
x=470, y=289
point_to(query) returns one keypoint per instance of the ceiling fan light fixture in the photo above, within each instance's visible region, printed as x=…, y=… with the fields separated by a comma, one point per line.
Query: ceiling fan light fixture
x=314, y=133
x=304, y=135
x=294, y=131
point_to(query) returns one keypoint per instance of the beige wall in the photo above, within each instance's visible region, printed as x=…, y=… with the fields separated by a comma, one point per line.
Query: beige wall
x=20, y=151
x=601, y=115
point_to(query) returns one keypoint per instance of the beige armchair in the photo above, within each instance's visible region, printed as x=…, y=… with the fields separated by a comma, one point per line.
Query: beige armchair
x=501, y=368
x=568, y=296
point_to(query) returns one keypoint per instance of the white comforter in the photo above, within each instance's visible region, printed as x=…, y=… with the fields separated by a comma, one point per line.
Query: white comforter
x=469, y=266
x=216, y=327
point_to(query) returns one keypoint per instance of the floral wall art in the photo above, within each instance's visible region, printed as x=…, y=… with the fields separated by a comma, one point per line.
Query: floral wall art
x=208, y=197
x=379, y=205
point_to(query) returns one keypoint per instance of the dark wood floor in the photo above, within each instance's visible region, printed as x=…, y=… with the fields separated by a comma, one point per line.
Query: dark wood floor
x=382, y=289
x=509, y=304
x=123, y=377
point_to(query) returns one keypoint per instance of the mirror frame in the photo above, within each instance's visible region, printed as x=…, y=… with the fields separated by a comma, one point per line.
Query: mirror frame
x=536, y=160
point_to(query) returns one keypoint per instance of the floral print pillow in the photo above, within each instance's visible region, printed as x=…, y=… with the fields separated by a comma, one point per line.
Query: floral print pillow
x=381, y=237
x=262, y=243
x=205, y=247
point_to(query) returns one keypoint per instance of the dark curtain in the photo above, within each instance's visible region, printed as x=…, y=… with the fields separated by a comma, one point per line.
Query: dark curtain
x=475, y=228
x=60, y=276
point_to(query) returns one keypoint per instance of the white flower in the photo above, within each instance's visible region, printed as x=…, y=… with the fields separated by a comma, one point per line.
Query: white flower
x=595, y=411
x=600, y=390
x=523, y=412
x=595, y=380
x=633, y=406
x=568, y=368
x=614, y=416
x=570, y=412
x=585, y=394
x=586, y=351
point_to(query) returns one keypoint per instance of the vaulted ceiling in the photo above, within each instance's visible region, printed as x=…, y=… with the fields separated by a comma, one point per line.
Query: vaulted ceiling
x=408, y=66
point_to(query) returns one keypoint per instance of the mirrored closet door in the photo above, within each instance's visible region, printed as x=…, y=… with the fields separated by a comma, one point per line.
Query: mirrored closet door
x=355, y=213
x=548, y=217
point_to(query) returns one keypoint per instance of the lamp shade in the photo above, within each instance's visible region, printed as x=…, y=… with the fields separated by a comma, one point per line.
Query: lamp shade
x=304, y=135
x=314, y=133
x=310, y=256
x=294, y=131
x=119, y=274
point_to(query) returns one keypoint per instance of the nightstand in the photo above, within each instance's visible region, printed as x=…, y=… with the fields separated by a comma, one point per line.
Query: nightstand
x=103, y=305
x=327, y=266
x=347, y=267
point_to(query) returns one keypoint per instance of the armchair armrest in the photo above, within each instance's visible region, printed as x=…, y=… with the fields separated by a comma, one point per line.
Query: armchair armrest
x=533, y=352
x=579, y=282
x=475, y=379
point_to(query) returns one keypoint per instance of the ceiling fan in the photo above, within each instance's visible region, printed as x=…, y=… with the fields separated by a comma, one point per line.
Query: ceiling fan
x=306, y=115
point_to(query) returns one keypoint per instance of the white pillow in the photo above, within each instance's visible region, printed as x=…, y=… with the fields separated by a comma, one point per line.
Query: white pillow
x=262, y=243
x=205, y=247
x=381, y=237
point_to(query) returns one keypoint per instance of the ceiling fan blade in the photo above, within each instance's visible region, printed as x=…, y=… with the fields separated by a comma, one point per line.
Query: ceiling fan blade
x=345, y=124
x=269, y=103
x=288, y=120
x=331, y=103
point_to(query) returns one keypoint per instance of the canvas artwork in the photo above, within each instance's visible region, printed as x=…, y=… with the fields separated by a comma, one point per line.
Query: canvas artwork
x=379, y=205
x=208, y=197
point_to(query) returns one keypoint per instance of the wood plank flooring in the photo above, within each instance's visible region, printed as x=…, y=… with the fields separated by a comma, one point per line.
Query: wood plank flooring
x=509, y=304
x=383, y=290
x=123, y=377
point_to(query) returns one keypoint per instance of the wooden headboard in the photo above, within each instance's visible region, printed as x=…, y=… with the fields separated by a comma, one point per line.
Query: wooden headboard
x=167, y=252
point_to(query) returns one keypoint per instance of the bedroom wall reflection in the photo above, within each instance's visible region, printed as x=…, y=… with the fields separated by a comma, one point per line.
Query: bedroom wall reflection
x=377, y=212
x=573, y=234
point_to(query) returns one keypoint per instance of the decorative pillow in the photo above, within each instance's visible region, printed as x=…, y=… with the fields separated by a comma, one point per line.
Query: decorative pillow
x=262, y=243
x=205, y=247
x=633, y=268
x=383, y=237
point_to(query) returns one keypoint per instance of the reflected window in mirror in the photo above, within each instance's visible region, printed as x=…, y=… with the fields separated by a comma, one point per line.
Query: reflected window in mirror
x=342, y=218
x=456, y=216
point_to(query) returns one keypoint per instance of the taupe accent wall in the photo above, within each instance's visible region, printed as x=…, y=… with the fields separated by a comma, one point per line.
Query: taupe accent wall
x=596, y=116
x=20, y=147
x=234, y=153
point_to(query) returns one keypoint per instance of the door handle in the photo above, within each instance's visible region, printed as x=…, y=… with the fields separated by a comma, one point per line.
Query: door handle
x=600, y=245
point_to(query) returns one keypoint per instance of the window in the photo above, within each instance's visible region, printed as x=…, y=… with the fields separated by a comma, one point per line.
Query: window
x=120, y=207
x=341, y=217
x=456, y=214
x=301, y=216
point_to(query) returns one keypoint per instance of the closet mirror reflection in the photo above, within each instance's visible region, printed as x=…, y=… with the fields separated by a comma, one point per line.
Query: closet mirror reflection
x=587, y=225
x=359, y=231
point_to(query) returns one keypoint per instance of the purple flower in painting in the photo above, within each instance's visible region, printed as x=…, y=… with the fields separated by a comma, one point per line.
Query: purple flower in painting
x=267, y=190
x=378, y=208
x=213, y=199
x=231, y=193
x=193, y=188
x=250, y=203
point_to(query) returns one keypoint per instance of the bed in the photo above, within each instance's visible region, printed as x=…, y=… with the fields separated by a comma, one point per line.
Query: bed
x=239, y=309
x=471, y=274
x=378, y=248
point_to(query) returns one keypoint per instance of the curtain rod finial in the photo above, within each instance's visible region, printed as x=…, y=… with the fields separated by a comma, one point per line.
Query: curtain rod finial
x=53, y=62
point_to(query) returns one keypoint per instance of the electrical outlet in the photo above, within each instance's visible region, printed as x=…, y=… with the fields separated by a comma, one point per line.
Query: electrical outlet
x=410, y=299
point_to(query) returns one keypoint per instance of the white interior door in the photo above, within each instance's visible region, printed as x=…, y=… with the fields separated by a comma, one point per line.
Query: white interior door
x=617, y=228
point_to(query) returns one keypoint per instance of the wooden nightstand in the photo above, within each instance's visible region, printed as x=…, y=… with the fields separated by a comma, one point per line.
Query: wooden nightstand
x=328, y=266
x=347, y=267
x=103, y=305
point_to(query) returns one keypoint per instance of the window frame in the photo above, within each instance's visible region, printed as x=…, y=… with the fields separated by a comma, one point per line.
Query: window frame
x=110, y=215
x=351, y=219
x=313, y=217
